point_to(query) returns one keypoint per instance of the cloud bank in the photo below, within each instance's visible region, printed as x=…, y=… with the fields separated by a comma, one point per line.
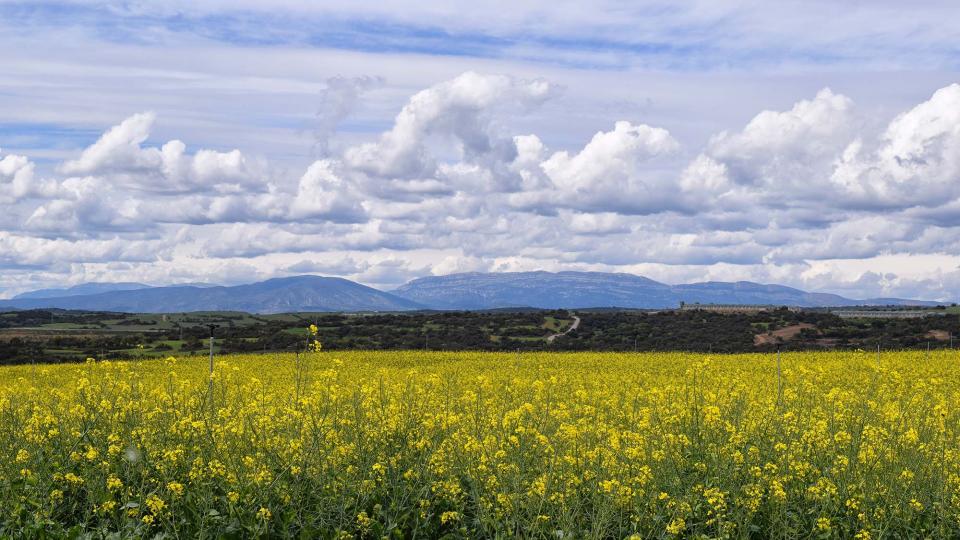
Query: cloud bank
x=448, y=186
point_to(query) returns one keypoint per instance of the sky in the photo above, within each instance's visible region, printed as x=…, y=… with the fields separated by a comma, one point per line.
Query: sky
x=814, y=144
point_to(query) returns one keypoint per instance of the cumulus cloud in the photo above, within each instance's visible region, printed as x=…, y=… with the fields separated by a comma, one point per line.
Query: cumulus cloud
x=337, y=267
x=117, y=184
x=337, y=101
x=917, y=162
x=779, y=157
x=816, y=155
x=323, y=193
x=605, y=173
x=460, y=109
x=601, y=223
x=451, y=187
x=118, y=149
x=118, y=155
x=18, y=180
x=23, y=251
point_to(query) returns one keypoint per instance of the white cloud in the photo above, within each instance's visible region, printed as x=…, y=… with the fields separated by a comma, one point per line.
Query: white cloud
x=338, y=267
x=18, y=180
x=119, y=150
x=609, y=161
x=459, y=109
x=451, y=186
x=323, y=193
x=337, y=101
x=602, y=223
x=785, y=155
x=607, y=174
x=119, y=157
x=917, y=162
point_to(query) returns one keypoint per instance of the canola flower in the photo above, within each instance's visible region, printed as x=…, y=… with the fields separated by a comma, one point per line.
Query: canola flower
x=559, y=445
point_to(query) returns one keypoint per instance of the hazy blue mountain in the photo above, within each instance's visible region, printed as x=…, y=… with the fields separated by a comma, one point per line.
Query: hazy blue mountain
x=471, y=291
x=747, y=292
x=82, y=289
x=537, y=289
x=302, y=293
x=597, y=289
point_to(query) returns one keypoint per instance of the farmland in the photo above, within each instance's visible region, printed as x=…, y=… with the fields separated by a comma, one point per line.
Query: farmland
x=70, y=336
x=538, y=444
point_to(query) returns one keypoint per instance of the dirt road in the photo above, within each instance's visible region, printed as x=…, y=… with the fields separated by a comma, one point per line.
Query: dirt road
x=576, y=323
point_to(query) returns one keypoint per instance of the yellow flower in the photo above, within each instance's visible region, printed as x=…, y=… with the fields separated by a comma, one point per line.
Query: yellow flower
x=550, y=442
x=676, y=526
x=114, y=483
x=155, y=504
x=73, y=479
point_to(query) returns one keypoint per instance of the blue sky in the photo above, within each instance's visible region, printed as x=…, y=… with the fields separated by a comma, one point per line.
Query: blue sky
x=814, y=144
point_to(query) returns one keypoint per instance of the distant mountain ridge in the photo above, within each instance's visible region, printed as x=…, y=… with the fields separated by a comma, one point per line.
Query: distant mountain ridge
x=467, y=291
x=537, y=289
x=82, y=290
x=599, y=289
x=301, y=293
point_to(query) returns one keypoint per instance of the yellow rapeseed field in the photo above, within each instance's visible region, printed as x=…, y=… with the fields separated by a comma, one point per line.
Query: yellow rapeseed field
x=421, y=444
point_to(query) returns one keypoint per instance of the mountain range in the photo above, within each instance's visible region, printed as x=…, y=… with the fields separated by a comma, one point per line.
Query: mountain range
x=467, y=291
x=81, y=290
x=302, y=293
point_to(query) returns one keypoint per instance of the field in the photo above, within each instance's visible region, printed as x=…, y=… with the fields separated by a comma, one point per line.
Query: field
x=426, y=444
x=70, y=336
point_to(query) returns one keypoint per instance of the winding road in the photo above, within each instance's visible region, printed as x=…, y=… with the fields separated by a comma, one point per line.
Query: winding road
x=576, y=323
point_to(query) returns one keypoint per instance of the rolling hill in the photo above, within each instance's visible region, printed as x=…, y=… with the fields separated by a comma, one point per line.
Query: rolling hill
x=301, y=293
x=81, y=290
x=537, y=289
x=469, y=291
x=599, y=289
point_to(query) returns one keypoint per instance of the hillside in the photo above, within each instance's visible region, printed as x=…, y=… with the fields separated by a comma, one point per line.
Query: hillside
x=537, y=289
x=572, y=290
x=302, y=293
x=469, y=291
x=81, y=290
